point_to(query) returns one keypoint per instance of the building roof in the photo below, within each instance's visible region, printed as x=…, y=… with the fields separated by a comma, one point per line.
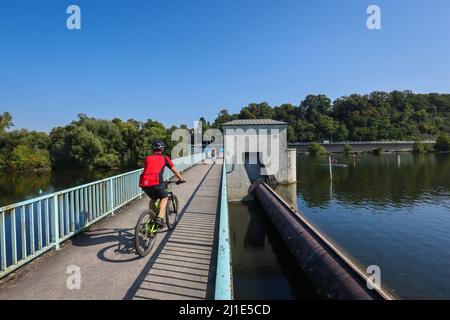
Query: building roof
x=250, y=122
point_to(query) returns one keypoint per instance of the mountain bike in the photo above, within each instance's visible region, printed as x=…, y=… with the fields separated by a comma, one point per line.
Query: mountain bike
x=146, y=228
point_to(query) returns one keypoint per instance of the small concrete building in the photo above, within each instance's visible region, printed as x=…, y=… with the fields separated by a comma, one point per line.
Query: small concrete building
x=255, y=149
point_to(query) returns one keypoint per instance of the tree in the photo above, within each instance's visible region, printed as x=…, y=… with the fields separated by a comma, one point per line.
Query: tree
x=74, y=147
x=95, y=143
x=347, y=149
x=246, y=114
x=223, y=117
x=418, y=147
x=205, y=124
x=5, y=121
x=325, y=127
x=313, y=106
x=26, y=158
x=443, y=142
x=257, y=111
x=316, y=149
x=286, y=113
x=291, y=134
x=305, y=131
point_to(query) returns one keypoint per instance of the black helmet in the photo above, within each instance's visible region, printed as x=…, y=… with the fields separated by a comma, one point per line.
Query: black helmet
x=158, y=145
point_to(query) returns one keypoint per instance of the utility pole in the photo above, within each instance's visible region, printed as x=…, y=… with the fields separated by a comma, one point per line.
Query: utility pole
x=331, y=170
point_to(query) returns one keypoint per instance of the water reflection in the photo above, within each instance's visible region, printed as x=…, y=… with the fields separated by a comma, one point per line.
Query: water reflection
x=19, y=186
x=289, y=194
x=263, y=267
x=389, y=210
x=375, y=180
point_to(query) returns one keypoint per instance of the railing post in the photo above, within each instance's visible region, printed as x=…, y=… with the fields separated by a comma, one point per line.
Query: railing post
x=2, y=242
x=137, y=186
x=111, y=195
x=56, y=222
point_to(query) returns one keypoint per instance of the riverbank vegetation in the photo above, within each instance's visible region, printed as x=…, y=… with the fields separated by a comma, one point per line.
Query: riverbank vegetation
x=22, y=150
x=443, y=142
x=89, y=143
x=85, y=143
x=316, y=149
x=398, y=115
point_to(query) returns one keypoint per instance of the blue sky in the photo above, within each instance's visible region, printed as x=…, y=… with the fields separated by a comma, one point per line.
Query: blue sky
x=177, y=60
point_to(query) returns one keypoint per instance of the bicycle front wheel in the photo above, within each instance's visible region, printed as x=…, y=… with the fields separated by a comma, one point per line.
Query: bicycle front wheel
x=145, y=233
x=172, y=212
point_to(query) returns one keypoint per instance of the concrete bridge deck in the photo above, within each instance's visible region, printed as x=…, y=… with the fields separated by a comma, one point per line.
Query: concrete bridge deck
x=181, y=265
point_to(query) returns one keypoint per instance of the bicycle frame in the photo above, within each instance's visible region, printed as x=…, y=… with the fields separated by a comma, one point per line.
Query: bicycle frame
x=148, y=230
x=153, y=227
x=156, y=206
x=157, y=203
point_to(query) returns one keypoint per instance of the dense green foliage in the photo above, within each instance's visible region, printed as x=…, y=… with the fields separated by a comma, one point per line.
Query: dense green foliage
x=95, y=143
x=22, y=149
x=443, y=142
x=316, y=149
x=399, y=115
x=84, y=143
x=347, y=149
x=418, y=147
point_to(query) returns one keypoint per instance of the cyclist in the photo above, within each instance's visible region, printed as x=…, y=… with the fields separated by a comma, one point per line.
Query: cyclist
x=152, y=181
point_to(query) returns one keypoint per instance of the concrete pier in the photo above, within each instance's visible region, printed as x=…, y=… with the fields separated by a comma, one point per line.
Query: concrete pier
x=257, y=148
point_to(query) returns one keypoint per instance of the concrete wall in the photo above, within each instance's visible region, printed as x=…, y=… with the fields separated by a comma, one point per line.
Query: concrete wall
x=292, y=166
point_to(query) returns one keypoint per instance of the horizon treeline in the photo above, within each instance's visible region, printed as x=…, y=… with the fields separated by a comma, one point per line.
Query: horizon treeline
x=397, y=115
x=85, y=143
x=106, y=144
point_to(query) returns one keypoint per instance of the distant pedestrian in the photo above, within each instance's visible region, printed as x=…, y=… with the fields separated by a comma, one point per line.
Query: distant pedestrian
x=213, y=153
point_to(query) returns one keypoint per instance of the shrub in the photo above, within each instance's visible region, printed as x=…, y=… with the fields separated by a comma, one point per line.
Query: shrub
x=377, y=151
x=315, y=149
x=429, y=148
x=107, y=161
x=347, y=149
x=443, y=142
x=418, y=147
x=25, y=158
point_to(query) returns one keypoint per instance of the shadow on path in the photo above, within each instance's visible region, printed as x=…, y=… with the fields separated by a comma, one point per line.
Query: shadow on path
x=182, y=268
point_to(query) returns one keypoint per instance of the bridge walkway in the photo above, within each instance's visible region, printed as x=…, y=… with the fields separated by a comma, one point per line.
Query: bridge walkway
x=181, y=265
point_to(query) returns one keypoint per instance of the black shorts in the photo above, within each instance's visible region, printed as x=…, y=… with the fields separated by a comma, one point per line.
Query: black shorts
x=156, y=192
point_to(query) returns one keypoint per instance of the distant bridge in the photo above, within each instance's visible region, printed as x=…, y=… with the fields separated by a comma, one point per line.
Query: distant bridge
x=363, y=146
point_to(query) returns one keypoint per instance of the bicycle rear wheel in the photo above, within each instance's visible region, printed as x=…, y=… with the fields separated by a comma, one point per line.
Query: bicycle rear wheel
x=144, y=233
x=172, y=212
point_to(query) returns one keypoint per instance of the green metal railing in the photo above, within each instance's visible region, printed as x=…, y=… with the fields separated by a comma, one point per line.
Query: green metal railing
x=32, y=227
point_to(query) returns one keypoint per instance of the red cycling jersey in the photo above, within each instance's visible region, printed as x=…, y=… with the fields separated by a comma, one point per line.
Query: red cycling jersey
x=154, y=170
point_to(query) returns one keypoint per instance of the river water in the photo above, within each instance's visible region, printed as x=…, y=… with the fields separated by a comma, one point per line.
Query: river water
x=263, y=267
x=390, y=210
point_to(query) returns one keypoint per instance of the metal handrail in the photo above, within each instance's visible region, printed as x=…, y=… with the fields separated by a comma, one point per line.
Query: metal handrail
x=224, y=284
x=32, y=227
